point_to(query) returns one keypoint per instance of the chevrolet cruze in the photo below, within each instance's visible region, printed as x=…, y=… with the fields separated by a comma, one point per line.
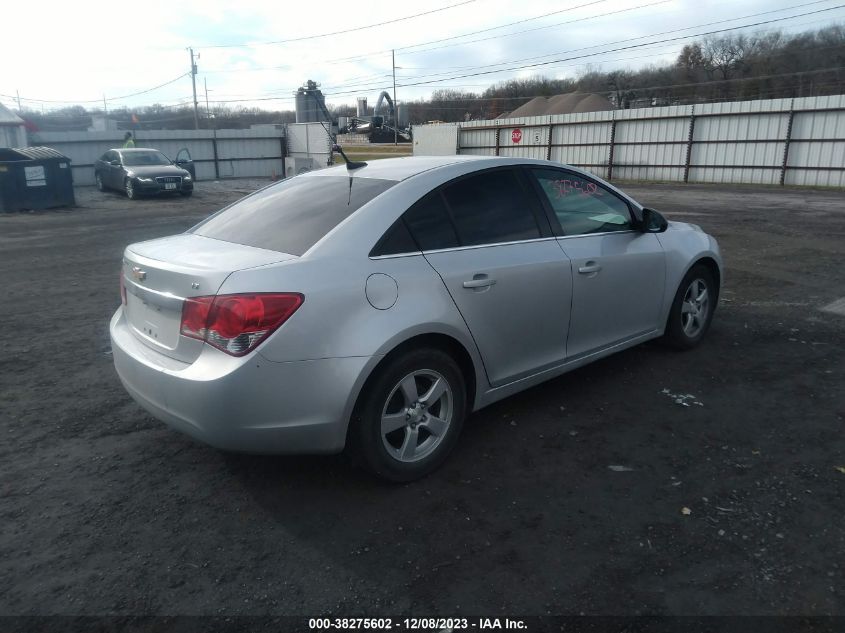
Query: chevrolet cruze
x=371, y=309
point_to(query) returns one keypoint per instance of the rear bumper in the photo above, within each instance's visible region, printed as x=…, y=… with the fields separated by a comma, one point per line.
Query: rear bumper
x=244, y=404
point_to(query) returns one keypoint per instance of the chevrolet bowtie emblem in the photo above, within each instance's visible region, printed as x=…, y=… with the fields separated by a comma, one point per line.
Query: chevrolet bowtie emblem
x=139, y=274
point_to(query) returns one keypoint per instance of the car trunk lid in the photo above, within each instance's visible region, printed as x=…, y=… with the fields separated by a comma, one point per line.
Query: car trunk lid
x=160, y=274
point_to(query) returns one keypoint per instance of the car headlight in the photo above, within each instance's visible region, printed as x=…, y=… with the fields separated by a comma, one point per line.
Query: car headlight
x=187, y=177
x=145, y=179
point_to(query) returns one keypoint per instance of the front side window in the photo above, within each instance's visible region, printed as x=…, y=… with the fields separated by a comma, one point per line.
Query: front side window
x=581, y=205
x=292, y=216
x=491, y=207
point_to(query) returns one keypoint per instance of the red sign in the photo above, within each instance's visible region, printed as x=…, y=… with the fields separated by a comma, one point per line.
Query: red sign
x=516, y=135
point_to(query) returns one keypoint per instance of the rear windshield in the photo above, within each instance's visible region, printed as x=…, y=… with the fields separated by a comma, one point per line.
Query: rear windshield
x=295, y=214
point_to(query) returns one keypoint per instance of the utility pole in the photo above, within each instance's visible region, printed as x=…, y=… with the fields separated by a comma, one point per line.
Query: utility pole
x=105, y=107
x=18, y=92
x=194, y=84
x=205, y=85
x=395, y=105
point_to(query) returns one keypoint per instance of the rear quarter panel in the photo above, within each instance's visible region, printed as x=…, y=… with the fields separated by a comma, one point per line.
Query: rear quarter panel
x=337, y=320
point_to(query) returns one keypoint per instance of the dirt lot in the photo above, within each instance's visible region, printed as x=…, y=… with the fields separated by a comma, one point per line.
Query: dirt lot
x=103, y=510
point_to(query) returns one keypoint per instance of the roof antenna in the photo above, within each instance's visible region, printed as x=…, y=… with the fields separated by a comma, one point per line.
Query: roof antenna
x=351, y=165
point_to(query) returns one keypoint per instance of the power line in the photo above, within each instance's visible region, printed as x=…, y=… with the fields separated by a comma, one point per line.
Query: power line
x=503, y=26
x=351, y=30
x=687, y=28
x=471, y=33
x=539, y=28
x=622, y=48
x=426, y=43
x=663, y=52
x=134, y=94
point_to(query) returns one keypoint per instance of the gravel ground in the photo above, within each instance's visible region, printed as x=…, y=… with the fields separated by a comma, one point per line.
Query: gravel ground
x=569, y=498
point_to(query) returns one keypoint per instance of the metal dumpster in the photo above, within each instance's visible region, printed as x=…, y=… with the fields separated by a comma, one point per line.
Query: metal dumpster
x=34, y=178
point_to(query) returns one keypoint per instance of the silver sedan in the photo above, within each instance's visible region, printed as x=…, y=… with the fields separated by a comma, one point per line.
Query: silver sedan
x=372, y=308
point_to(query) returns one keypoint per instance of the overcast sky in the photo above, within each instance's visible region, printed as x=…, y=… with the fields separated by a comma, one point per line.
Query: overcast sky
x=76, y=52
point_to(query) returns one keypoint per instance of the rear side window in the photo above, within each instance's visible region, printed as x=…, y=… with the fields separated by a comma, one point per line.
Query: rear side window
x=396, y=241
x=430, y=225
x=295, y=214
x=491, y=207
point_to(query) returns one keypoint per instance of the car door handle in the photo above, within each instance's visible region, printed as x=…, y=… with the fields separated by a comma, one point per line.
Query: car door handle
x=480, y=281
x=589, y=267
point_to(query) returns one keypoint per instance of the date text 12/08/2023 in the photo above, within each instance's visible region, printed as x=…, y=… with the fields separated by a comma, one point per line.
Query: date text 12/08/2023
x=417, y=624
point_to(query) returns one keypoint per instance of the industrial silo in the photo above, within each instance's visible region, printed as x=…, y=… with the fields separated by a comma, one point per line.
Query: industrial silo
x=401, y=116
x=362, y=107
x=310, y=104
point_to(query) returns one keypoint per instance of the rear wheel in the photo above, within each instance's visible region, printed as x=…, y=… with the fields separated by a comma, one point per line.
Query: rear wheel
x=100, y=185
x=410, y=417
x=129, y=186
x=692, y=309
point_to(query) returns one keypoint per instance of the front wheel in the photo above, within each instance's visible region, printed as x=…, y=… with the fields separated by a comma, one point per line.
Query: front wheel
x=692, y=309
x=410, y=417
x=100, y=185
x=129, y=186
x=187, y=194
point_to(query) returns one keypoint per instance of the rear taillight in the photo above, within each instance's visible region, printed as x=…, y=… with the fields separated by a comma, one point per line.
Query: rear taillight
x=236, y=324
x=122, y=288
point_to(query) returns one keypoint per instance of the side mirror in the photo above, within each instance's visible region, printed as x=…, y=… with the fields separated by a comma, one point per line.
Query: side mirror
x=114, y=163
x=653, y=221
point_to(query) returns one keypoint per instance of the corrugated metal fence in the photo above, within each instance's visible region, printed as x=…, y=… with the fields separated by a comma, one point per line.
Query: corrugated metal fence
x=216, y=153
x=776, y=141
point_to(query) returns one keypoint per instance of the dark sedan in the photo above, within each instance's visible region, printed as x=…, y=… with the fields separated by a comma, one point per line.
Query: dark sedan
x=141, y=171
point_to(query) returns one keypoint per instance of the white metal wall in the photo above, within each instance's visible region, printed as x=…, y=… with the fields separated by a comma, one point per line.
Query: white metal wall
x=309, y=146
x=12, y=136
x=216, y=154
x=440, y=140
x=775, y=141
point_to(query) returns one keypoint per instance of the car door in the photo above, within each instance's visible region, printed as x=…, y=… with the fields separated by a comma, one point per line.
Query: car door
x=618, y=272
x=489, y=240
x=104, y=168
x=184, y=160
x=115, y=171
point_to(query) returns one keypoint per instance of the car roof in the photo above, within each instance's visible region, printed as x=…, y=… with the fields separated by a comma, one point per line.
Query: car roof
x=398, y=168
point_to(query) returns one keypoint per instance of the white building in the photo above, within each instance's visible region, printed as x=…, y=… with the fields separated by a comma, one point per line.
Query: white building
x=12, y=131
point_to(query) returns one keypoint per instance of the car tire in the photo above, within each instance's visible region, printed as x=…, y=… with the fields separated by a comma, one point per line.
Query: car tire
x=129, y=188
x=186, y=194
x=99, y=179
x=423, y=395
x=692, y=309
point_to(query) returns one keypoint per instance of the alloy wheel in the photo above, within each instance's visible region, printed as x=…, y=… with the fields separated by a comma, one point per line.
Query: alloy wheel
x=695, y=308
x=416, y=416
